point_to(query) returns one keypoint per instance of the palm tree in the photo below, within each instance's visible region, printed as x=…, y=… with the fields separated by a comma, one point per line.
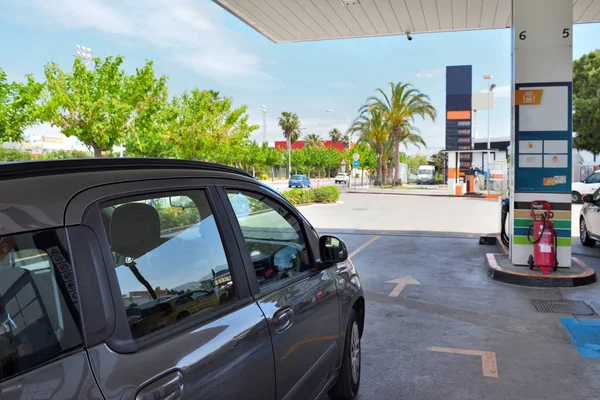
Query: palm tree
x=399, y=111
x=290, y=124
x=313, y=140
x=373, y=130
x=335, y=135
x=346, y=141
x=295, y=136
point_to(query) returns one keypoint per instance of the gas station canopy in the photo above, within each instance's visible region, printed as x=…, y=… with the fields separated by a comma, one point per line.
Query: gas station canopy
x=305, y=20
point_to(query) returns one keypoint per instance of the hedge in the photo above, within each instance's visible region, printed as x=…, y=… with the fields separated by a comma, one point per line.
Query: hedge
x=326, y=194
x=7, y=154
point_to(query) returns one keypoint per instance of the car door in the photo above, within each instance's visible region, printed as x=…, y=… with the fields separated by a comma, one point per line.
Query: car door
x=299, y=301
x=592, y=214
x=41, y=343
x=155, y=256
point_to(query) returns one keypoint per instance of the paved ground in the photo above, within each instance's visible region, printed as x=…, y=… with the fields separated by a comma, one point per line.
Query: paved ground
x=454, y=309
x=381, y=212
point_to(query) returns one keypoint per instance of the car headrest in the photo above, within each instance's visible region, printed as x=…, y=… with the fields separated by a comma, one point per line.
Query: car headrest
x=134, y=229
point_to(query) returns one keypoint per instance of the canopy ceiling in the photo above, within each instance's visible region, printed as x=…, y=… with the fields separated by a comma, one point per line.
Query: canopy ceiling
x=305, y=20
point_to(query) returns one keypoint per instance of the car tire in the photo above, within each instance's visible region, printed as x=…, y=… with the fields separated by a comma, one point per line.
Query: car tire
x=584, y=235
x=576, y=197
x=289, y=186
x=348, y=382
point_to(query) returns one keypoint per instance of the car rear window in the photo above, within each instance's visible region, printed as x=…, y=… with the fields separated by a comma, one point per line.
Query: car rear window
x=39, y=318
x=296, y=177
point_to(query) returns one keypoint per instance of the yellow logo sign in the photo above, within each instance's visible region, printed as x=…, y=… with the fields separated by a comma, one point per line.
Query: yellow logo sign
x=528, y=97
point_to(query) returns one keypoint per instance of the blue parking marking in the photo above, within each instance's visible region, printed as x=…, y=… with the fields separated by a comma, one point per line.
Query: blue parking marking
x=585, y=334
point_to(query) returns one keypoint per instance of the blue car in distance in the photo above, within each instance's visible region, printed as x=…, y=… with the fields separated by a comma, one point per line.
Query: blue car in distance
x=299, y=181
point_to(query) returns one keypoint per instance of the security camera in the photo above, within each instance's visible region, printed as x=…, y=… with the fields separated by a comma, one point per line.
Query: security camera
x=408, y=36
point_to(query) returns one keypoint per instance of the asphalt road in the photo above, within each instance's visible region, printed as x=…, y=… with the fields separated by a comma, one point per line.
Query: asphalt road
x=451, y=332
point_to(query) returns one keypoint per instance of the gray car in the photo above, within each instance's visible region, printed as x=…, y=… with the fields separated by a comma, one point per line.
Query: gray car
x=166, y=279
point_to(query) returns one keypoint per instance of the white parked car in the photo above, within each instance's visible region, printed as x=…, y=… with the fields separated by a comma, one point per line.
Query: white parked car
x=589, y=219
x=588, y=186
x=342, y=178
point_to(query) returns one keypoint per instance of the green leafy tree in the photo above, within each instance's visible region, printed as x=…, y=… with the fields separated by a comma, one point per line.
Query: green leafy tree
x=335, y=135
x=202, y=125
x=103, y=105
x=273, y=158
x=417, y=160
x=439, y=161
x=313, y=140
x=399, y=110
x=19, y=106
x=586, y=102
x=255, y=156
x=368, y=156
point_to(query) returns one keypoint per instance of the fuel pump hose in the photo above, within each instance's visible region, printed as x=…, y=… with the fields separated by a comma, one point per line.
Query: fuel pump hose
x=503, y=234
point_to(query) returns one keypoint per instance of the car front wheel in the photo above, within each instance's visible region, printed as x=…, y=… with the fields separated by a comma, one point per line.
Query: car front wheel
x=584, y=235
x=576, y=197
x=348, y=382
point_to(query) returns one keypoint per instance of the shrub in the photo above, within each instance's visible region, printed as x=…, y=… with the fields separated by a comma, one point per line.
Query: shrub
x=14, y=155
x=264, y=177
x=327, y=194
x=294, y=196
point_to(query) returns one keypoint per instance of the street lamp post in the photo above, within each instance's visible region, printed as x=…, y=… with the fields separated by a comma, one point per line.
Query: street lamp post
x=491, y=87
x=84, y=53
x=264, y=110
x=347, y=130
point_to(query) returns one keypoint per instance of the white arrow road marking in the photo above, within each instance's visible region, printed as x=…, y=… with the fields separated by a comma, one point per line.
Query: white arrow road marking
x=488, y=358
x=401, y=283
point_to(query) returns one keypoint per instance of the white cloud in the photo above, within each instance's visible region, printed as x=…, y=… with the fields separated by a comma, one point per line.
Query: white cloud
x=500, y=92
x=428, y=74
x=190, y=32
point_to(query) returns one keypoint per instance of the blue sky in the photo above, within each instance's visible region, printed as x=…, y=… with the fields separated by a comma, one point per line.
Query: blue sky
x=199, y=45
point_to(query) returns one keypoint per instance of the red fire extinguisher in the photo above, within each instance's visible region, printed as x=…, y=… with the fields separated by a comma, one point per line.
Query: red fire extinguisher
x=543, y=238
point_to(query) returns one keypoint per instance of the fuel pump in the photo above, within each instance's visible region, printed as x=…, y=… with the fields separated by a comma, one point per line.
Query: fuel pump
x=543, y=239
x=504, y=217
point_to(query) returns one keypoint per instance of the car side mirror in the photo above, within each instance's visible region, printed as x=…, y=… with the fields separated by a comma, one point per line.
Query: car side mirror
x=333, y=250
x=588, y=198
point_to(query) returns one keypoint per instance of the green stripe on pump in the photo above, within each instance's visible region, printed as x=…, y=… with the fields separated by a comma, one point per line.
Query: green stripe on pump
x=558, y=224
x=522, y=240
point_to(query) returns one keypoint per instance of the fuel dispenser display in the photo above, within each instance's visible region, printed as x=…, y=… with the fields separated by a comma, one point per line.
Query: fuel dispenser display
x=543, y=238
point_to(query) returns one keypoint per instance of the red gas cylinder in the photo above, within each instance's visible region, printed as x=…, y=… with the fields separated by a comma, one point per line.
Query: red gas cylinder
x=543, y=238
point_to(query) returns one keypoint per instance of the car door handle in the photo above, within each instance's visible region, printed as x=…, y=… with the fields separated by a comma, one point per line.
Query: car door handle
x=167, y=387
x=283, y=319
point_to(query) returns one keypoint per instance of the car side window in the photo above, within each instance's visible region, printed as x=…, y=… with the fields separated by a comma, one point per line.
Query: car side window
x=38, y=301
x=594, y=178
x=273, y=236
x=169, y=258
x=596, y=196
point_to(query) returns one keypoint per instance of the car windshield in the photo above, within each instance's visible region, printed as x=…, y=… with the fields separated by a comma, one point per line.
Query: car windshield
x=425, y=171
x=296, y=177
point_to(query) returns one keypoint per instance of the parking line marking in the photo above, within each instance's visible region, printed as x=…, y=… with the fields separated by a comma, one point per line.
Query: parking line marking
x=488, y=358
x=364, y=246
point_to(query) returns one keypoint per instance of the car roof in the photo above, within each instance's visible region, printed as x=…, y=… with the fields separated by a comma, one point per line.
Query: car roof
x=35, y=194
